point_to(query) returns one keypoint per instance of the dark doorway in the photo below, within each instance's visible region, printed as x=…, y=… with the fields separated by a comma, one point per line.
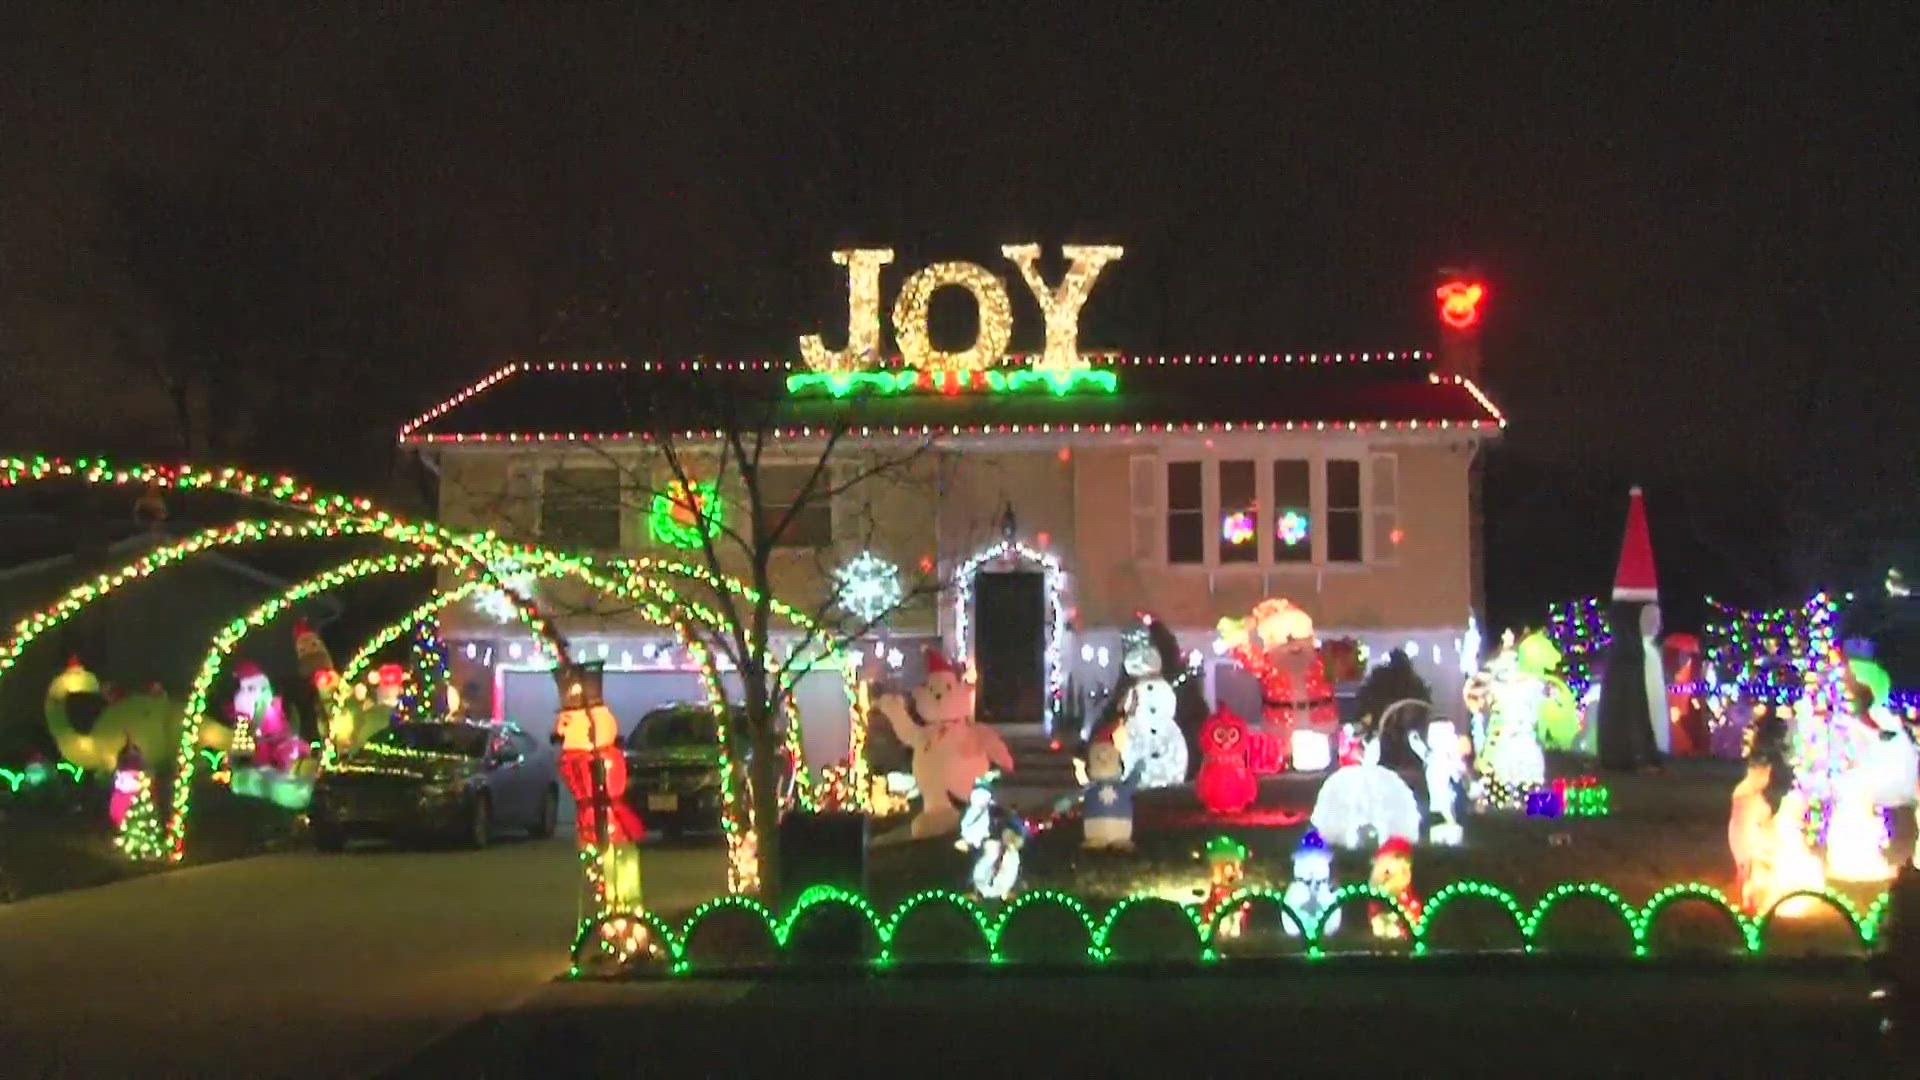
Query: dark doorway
x=1009, y=618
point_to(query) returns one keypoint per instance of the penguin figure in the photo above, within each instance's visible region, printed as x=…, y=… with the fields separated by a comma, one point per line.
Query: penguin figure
x=1632, y=710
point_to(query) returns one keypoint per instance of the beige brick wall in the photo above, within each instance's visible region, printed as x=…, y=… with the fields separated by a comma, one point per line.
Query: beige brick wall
x=948, y=505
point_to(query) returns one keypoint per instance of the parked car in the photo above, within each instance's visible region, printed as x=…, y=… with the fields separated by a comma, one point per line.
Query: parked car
x=468, y=780
x=673, y=769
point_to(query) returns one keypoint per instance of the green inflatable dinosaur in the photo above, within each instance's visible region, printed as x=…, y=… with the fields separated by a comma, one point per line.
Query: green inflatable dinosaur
x=149, y=720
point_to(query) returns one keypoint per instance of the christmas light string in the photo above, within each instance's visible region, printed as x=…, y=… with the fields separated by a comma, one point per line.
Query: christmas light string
x=462, y=550
x=669, y=943
x=1054, y=582
x=194, y=711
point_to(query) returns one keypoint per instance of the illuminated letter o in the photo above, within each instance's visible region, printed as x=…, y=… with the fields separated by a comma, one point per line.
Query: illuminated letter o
x=910, y=319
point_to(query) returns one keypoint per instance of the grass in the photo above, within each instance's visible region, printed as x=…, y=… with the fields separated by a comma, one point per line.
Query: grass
x=1664, y=828
x=57, y=837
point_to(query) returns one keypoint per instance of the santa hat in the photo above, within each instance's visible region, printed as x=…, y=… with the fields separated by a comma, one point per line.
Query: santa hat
x=247, y=669
x=129, y=759
x=1395, y=847
x=937, y=662
x=1633, y=579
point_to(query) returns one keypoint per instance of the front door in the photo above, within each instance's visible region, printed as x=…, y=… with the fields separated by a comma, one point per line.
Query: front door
x=1009, y=618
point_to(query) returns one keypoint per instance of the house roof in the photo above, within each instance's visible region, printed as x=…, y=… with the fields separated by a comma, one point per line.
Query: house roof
x=60, y=567
x=565, y=401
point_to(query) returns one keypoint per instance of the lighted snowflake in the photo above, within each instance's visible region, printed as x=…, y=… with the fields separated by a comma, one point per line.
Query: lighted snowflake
x=868, y=586
x=493, y=603
x=1292, y=528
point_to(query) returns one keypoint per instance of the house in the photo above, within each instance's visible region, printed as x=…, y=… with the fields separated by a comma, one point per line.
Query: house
x=1191, y=487
x=146, y=632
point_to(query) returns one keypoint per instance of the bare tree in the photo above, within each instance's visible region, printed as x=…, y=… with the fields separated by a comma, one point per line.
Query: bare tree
x=745, y=500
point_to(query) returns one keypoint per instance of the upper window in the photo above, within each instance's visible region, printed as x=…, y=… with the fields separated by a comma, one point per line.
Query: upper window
x=1272, y=511
x=1292, y=510
x=781, y=488
x=580, y=508
x=1239, y=513
x=1186, y=514
x=1343, y=511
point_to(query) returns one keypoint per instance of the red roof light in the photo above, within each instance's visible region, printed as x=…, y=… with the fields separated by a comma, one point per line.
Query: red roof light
x=1460, y=303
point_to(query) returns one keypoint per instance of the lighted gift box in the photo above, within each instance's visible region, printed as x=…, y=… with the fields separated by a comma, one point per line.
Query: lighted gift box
x=1312, y=751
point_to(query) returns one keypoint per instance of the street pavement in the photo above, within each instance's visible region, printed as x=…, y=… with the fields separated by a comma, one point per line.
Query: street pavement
x=296, y=965
x=1532, y=1018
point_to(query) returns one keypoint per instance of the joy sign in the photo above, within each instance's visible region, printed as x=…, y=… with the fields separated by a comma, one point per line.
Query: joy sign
x=1061, y=307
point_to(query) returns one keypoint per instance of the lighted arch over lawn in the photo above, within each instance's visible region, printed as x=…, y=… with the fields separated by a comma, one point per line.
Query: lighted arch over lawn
x=644, y=580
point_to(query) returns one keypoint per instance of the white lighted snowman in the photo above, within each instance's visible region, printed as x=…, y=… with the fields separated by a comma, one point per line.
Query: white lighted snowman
x=1154, y=746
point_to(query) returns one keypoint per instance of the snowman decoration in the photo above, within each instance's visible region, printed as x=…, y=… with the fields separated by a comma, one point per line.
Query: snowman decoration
x=1310, y=894
x=1154, y=748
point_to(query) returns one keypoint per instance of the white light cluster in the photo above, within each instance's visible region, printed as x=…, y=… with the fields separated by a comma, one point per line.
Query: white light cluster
x=868, y=586
x=494, y=603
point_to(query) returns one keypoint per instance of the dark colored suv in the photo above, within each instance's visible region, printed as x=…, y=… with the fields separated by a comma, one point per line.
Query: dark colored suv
x=673, y=769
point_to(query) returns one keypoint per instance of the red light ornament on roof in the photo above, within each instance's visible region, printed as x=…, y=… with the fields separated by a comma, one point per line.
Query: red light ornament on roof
x=1460, y=303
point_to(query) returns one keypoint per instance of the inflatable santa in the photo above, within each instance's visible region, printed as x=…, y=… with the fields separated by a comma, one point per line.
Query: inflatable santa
x=1633, y=692
x=1276, y=646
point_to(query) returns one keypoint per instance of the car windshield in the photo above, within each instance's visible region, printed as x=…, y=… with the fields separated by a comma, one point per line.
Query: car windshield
x=460, y=739
x=674, y=728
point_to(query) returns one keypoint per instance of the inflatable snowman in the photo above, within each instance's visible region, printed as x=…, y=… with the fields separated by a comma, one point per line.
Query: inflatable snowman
x=1154, y=749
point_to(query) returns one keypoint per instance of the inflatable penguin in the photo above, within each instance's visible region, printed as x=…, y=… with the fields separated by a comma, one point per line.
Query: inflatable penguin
x=1633, y=692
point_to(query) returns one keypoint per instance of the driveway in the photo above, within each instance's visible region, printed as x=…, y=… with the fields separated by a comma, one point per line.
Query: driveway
x=296, y=965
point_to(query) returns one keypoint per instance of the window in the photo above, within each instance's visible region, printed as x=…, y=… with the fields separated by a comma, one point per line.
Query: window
x=780, y=488
x=1186, y=514
x=1292, y=511
x=1279, y=512
x=1343, y=511
x=1384, y=507
x=580, y=508
x=1239, y=513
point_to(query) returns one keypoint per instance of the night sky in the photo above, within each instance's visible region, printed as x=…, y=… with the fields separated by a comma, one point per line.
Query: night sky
x=1698, y=231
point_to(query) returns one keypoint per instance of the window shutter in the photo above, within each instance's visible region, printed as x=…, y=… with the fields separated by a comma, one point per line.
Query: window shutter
x=1383, y=507
x=1144, y=479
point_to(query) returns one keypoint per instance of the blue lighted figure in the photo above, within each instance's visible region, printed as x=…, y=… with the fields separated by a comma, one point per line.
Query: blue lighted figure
x=1310, y=893
x=1106, y=797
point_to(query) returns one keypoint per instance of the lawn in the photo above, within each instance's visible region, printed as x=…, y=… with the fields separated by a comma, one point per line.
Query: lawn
x=57, y=837
x=1663, y=829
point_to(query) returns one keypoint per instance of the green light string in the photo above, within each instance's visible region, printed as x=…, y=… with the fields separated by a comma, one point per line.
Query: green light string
x=910, y=380
x=242, y=532
x=339, y=516
x=194, y=712
x=1101, y=932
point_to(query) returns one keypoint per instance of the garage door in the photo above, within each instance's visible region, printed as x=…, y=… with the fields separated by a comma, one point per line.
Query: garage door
x=531, y=700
